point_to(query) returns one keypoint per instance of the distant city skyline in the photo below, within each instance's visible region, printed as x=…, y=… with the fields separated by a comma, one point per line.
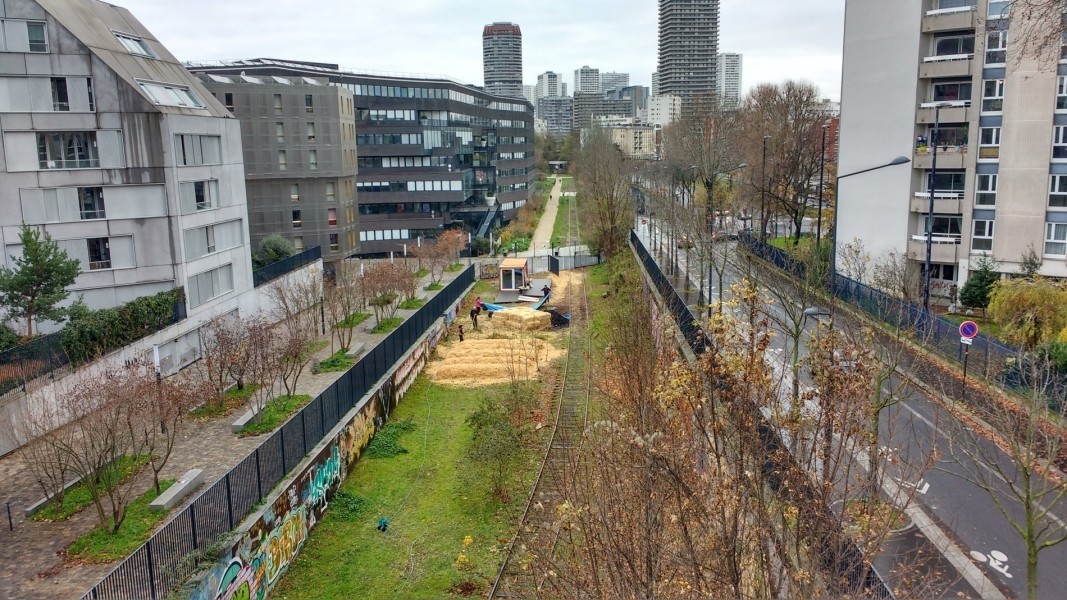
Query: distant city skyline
x=445, y=39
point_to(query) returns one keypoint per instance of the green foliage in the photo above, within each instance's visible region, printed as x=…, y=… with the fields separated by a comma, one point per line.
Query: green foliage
x=37, y=284
x=352, y=320
x=8, y=337
x=348, y=507
x=1032, y=311
x=274, y=414
x=480, y=246
x=454, y=267
x=980, y=282
x=78, y=497
x=233, y=398
x=412, y=304
x=101, y=546
x=495, y=449
x=336, y=362
x=92, y=333
x=1030, y=263
x=434, y=287
x=388, y=324
x=386, y=443
x=1057, y=354
x=273, y=248
x=423, y=272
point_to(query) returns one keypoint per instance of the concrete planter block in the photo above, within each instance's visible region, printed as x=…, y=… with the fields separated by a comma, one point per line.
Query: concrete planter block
x=181, y=488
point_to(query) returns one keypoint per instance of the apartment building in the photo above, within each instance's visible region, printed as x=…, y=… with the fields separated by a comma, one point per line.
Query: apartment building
x=688, y=47
x=432, y=153
x=502, y=59
x=664, y=110
x=636, y=141
x=299, y=139
x=114, y=149
x=613, y=81
x=557, y=112
x=951, y=75
x=728, y=82
x=587, y=80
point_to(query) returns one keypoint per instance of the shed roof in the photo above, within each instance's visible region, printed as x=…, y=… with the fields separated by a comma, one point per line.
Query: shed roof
x=513, y=263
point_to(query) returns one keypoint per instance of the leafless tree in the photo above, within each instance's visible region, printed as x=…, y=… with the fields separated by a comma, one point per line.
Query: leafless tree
x=222, y=342
x=262, y=365
x=894, y=275
x=604, y=177
x=344, y=298
x=295, y=307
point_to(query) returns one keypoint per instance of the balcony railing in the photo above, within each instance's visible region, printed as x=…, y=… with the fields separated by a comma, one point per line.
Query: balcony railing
x=941, y=195
x=938, y=238
x=99, y=265
x=949, y=11
x=948, y=57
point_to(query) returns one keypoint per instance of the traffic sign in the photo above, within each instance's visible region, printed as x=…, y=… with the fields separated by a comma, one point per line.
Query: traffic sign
x=968, y=329
x=966, y=341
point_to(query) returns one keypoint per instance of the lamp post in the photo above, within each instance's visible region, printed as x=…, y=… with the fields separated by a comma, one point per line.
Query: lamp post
x=930, y=213
x=822, y=174
x=763, y=194
x=900, y=160
x=711, y=226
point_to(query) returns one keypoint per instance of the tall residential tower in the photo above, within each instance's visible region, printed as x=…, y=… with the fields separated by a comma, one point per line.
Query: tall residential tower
x=502, y=59
x=688, y=46
x=728, y=81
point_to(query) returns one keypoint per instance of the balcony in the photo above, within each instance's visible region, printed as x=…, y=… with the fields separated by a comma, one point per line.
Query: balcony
x=948, y=157
x=945, y=203
x=945, y=249
x=950, y=19
x=959, y=112
x=952, y=65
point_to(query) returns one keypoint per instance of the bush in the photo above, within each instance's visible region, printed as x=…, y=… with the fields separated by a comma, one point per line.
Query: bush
x=338, y=361
x=8, y=338
x=92, y=333
x=347, y=506
x=273, y=248
x=386, y=443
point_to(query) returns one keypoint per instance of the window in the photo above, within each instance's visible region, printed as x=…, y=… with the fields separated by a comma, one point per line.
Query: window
x=952, y=91
x=1057, y=191
x=36, y=34
x=171, y=94
x=60, y=100
x=283, y=161
x=334, y=244
x=294, y=191
x=91, y=203
x=297, y=222
x=89, y=89
x=985, y=193
x=202, y=196
x=309, y=103
x=996, y=47
x=298, y=244
x=331, y=216
x=313, y=160
x=99, y=254
x=998, y=8
x=195, y=150
x=1055, y=239
x=942, y=272
x=993, y=95
x=277, y=104
x=1059, y=143
x=311, y=132
x=279, y=132
x=982, y=240
x=134, y=45
x=1061, y=93
x=944, y=227
x=948, y=183
x=67, y=150
x=228, y=100
x=989, y=143
x=950, y=45
x=331, y=192
x=209, y=285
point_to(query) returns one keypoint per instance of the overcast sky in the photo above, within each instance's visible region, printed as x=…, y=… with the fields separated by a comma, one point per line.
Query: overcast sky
x=780, y=39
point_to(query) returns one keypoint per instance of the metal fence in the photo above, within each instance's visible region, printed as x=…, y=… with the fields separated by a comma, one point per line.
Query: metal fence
x=846, y=561
x=285, y=266
x=174, y=552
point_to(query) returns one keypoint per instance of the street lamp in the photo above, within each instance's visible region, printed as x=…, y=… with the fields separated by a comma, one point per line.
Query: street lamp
x=930, y=213
x=711, y=225
x=822, y=174
x=900, y=160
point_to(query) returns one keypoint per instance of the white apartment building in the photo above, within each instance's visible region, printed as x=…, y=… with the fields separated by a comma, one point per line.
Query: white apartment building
x=549, y=84
x=1001, y=171
x=614, y=81
x=114, y=149
x=728, y=82
x=664, y=110
x=587, y=81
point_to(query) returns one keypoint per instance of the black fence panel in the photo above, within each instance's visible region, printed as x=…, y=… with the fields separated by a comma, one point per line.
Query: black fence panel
x=285, y=266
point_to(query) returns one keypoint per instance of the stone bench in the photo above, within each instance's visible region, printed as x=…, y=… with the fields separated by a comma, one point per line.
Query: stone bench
x=245, y=419
x=36, y=506
x=356, y=350
x=179, y=490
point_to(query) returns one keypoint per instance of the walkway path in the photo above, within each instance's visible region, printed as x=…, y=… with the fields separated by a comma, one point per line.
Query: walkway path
x=542, y=237
x=32, y=560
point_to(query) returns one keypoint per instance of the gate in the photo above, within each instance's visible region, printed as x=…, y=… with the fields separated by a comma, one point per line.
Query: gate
x=553, y=264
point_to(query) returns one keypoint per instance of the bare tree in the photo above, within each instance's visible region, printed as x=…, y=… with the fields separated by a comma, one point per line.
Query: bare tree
x=344, y=299
x=294, y=306
x=162, y=404
x=895, y=276
x=221, y=342
x=262, y=364
x=604, y=177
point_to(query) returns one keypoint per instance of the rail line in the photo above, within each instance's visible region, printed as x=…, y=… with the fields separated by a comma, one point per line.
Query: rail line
x=537, y=534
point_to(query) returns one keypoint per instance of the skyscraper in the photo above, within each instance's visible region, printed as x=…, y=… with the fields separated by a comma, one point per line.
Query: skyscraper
x=550, y=84
x=614, y=81
x=587, y=80
x=688, y=46
x=728, y=81
x=502, y=59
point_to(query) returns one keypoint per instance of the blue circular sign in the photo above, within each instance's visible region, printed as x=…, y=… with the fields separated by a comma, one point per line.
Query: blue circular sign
x=968, y=329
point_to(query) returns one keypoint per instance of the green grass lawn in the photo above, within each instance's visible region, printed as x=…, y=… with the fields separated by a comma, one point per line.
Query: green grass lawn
x=786, y=243
x=387, y=324
x=78, y=497
x=336, y=362
x=432, y=507
x=412, y=304
x=233, y=398
x=352, y=320
x=434, y=287
x=101, y=546
x=569, y=184
x=423, y=272
x=559, y=227
x=275, y=413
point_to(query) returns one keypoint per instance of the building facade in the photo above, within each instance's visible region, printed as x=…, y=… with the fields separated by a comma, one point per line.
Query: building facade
x=688, y=47
x=951, y=74
x=502, y=59
x=587, y=106
x=550, y=84
x=557, y=112
x=116, y=151
x=636, y=141
x=613, y=81
x=587, y=80
x=664, y=110
x=432, y=153
x=529, y=93
x=729, y=79
x=655, y=83
x=299, y=139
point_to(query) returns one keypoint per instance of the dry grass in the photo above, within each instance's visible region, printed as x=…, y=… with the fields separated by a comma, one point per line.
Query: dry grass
x=488, y=361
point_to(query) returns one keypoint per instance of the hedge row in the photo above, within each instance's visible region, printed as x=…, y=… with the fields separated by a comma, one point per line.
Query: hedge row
x=92, y=333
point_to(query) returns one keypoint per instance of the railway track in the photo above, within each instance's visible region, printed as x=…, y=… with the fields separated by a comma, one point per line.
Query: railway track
x=533, y=547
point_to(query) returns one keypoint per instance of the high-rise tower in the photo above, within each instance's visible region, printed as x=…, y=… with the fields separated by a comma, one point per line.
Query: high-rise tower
x=688, y=47
x=502, y=59
x=728, y=81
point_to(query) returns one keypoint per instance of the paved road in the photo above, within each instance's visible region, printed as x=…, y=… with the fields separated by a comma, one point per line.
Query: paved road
x=966, y=511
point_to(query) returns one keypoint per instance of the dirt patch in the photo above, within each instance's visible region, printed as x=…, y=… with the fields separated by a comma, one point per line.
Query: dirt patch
x=490, y=361
x=565, y=287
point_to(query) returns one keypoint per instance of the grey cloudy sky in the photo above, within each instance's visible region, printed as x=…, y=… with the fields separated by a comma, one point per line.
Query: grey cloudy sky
x=780, y=39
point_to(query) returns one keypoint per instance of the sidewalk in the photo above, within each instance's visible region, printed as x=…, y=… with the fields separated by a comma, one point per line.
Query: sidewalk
x=32, y=563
